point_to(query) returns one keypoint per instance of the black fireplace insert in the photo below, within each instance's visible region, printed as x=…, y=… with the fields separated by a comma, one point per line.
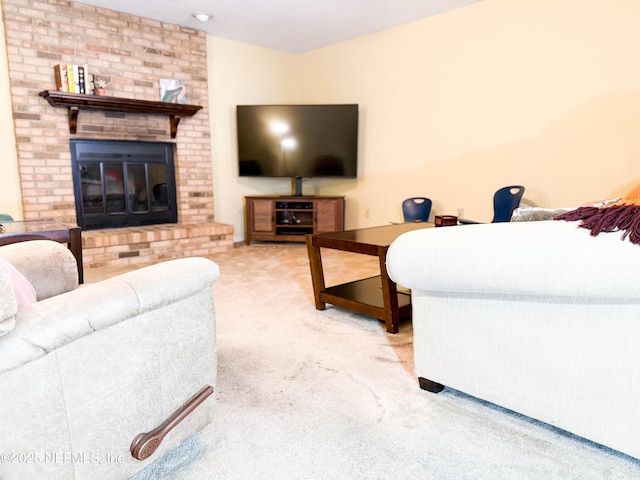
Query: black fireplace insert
x=121, y=183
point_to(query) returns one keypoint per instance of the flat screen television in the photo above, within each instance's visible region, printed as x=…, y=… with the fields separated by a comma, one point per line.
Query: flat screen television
x=298, y=141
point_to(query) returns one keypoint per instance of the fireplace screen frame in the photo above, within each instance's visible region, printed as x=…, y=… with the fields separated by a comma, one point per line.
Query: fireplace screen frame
x=116, y=183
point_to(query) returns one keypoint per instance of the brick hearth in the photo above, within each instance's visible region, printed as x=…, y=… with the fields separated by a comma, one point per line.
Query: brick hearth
x=138, y=245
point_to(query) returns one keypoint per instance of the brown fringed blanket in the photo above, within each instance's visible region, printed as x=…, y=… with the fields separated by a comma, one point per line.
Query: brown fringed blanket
x=620, y=216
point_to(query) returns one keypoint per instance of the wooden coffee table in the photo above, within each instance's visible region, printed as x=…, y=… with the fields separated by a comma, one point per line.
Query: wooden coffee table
x=377, y=296
x=46, y=229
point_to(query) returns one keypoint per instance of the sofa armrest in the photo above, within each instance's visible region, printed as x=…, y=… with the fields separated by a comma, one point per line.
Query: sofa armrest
x=553, y=258
x=49, y=266
x=52, y=323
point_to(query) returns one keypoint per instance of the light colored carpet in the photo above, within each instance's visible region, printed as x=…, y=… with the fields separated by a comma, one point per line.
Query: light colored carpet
x=306, y=394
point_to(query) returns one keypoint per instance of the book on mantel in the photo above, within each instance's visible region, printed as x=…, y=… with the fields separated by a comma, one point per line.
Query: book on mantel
x=72, y=78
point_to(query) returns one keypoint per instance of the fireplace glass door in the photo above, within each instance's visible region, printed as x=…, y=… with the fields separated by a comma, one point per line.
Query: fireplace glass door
x=119, y=184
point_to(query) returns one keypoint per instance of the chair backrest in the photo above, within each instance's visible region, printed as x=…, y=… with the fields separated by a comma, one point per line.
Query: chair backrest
x=505, y=201
x=5, y=217
x=416, y=209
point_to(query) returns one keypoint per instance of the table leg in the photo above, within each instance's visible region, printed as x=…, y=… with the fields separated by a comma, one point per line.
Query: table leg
x=75, y=245
x=317, y=274
x=389, y=294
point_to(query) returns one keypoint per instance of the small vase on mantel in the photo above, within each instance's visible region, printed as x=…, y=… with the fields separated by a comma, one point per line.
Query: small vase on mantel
x=99, y=86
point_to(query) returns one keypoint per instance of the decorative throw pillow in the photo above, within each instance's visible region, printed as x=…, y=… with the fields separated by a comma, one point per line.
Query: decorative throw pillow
x=8, y=305
x=618, y=216
x=23, y=290
x=534, y=214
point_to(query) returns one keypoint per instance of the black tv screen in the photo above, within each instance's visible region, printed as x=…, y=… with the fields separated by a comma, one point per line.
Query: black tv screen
x=297, y=140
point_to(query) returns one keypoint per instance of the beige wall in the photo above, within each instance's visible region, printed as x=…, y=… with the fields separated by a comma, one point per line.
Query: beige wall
x=242, y=74
x=10, y=198
x=535, y=92
x=543, y=93
x=540, y=92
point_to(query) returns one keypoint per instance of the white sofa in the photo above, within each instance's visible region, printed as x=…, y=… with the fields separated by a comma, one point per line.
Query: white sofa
x=87, y=369
x=538, y=317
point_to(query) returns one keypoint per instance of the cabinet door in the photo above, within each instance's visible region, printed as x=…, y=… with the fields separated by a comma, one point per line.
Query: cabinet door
x=263, y=216
x=329, y=215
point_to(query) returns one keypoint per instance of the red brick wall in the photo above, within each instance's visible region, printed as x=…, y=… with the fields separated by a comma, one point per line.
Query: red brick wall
x=132, y=54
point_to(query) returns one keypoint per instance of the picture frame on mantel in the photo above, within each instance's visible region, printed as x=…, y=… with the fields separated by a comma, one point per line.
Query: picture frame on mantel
x=173, y=91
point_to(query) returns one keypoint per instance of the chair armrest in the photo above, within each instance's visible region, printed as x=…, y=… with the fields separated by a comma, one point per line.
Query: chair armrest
x=52, y=323
x=49, y=266
x=551, y=258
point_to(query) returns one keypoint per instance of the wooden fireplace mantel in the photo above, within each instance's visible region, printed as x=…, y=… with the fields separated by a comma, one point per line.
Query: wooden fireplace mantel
x=75, y=102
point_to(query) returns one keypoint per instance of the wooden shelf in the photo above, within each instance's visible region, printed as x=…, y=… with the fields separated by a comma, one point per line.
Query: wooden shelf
x=367, y=294
x=74, y=102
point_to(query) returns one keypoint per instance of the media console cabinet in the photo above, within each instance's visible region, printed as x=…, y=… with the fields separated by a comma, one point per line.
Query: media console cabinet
x=290, y=218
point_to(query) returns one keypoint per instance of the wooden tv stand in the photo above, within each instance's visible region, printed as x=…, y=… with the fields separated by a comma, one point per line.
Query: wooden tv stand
x=289, y=218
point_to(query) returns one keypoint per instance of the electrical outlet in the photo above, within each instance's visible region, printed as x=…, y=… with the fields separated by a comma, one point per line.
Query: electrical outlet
x=366, y=213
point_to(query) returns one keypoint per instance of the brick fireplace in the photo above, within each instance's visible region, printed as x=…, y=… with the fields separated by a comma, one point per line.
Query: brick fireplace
x=132, y=54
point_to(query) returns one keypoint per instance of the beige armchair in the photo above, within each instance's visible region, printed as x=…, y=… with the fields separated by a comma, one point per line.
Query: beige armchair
x=86, y=370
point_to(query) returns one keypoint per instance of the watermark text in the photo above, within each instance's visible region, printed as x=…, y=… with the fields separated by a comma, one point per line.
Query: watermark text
x=95, y=458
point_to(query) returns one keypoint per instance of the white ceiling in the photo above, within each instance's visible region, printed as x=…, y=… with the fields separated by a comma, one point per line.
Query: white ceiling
x=293, y=26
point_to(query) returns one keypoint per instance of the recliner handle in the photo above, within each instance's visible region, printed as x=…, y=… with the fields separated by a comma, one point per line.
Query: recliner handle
x=145, y=444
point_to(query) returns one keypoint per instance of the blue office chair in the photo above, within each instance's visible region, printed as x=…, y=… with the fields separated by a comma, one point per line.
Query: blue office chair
x=505, y=201
x=416, y=209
